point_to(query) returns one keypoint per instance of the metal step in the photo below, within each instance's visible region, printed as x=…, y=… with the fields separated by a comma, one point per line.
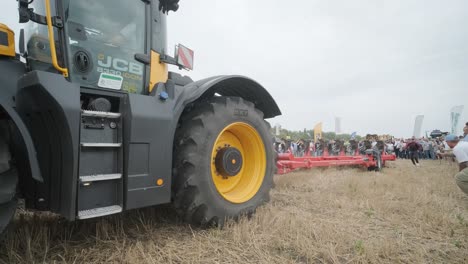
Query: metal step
x=100, y=177
x=101, y=145
x=100, y=114
x=98, y=212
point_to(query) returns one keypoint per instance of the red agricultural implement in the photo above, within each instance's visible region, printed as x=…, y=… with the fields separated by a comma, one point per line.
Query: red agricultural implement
x=372, y=160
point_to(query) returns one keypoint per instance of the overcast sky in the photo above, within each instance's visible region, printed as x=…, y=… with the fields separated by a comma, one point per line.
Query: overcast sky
x=376, y=64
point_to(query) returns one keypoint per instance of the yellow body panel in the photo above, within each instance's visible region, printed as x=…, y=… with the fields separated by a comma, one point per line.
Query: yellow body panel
x=53, y=52
x=245, y=185
x=7, y=41
x=158, y=72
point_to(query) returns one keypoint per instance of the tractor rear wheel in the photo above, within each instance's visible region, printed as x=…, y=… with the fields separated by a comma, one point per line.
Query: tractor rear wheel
x=8, y=181
x=223, y=161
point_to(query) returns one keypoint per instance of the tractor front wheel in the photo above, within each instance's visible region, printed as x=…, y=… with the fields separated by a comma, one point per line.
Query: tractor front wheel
x=223, y=161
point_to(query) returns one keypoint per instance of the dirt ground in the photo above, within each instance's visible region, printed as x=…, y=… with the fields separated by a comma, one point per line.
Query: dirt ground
x=402, y=215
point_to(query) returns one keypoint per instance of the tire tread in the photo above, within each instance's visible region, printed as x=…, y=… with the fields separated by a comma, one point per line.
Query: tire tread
x=187, y=186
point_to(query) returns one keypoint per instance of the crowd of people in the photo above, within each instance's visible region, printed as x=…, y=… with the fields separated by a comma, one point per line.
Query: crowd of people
x=411, y=148
x=303, y=147
x=449, y=146
x=424, y=148
x=416, y=149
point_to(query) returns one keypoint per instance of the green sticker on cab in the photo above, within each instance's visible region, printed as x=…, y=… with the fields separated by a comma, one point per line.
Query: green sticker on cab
x=110, y=81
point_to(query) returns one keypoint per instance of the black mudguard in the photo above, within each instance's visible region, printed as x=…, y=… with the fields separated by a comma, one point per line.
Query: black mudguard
x=226, y=85
x=230, y=85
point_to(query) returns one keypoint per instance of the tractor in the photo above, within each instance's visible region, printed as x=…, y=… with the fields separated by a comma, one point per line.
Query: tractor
x=93, y=123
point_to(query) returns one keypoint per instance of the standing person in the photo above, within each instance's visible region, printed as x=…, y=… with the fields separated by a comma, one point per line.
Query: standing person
x=403, y=149
x=432, y=149
x=438, y=149
x=441, y=146
x=421, y=151
x=465, y=133
x=390, y=147
x=397, y=148
x=446, y=146
x=460, y=152
x=294, y=148
x=312, y=148
x=427, y=149
x=407, y=156
x=414, y=147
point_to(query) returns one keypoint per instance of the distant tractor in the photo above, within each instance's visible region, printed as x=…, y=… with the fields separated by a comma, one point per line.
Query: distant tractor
x=92, y=123
x=437, y=133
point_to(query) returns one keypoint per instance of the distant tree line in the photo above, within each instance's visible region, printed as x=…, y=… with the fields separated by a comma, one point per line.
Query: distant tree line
x=309, y=135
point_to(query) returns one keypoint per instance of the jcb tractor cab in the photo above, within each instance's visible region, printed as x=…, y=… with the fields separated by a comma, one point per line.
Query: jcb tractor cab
x=92, y=123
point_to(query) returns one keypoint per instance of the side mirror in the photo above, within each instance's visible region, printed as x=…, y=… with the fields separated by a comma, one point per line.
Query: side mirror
x=184, y=57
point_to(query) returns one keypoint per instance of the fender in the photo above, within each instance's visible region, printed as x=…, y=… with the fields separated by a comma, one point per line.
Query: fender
x=230, y=85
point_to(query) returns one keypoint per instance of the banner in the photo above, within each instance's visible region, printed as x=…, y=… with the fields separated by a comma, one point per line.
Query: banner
x=418, y=126
x=353, y=135
x=337, y=125
x=455, y=114
x=318, y=132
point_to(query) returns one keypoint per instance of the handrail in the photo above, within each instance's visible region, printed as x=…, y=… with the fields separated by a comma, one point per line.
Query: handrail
x=53, y=52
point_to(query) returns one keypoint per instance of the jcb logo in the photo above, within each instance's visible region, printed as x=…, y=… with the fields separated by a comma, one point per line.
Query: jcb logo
x=119, y=64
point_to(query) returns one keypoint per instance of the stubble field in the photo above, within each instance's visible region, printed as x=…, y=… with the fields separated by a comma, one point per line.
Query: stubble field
x=401, y=215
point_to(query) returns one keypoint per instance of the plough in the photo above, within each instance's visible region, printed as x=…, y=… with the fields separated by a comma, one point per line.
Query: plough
x=372, y=160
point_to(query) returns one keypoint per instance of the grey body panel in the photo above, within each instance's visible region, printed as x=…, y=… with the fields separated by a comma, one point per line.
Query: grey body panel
x=50, y=107
x=148, y=123
x=11, y=72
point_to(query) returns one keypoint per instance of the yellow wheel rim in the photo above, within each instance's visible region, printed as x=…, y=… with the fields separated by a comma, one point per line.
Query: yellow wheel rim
x=241, y=187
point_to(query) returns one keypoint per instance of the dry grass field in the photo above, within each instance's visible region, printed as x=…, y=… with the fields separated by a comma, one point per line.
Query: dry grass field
x=402, y=215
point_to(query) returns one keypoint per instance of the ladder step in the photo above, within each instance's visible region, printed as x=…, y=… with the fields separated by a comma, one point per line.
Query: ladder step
x=98, y=212
x=100, y=114
x=101, y=145
x=100, y=177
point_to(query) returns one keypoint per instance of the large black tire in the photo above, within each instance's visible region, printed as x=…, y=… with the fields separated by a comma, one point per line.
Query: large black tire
x=195, y=195
x=8, y=181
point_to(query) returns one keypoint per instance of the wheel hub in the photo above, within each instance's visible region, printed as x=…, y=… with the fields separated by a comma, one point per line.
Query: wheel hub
x=228, y=162
x=246, y=183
